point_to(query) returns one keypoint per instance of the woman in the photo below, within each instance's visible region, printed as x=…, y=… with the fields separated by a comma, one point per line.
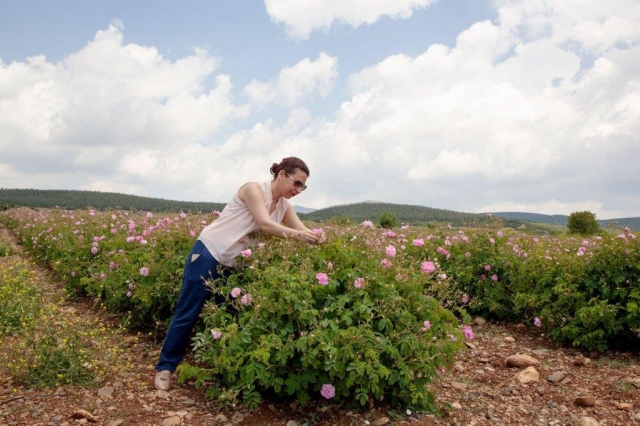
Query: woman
x=256, y=206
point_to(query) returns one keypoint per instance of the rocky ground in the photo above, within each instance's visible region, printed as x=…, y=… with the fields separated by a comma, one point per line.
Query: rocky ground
x=508, y=375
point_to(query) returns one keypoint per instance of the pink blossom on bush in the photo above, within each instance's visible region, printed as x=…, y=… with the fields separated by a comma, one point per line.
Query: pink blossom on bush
x=367, y=224
x=329, y=266
x=103, y=276
x=216, y=213
x=465, y=298
x=246, y=253
x=494, y=277
x=144, y=271
x=94, y=250
x=322, y=278
x=318, y=231
x=216, y=334
x=499, y=234
x=246, y=299
x=92, y=212
x=492, y=241
x=129, y=294
x=359, y=283
x=328, y=391
x=442, y=276
x=487, y=267
x=467, y=254
x=236, y=292
x=391, y=251
x=418, y=242
x=192, y=234
x=468, y=332
x=537, y=322
x=427, y=267
x=260, y=245
x=426, y=325
x=386, y=263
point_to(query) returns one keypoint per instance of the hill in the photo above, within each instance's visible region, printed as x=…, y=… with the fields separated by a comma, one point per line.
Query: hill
x=79, y=200
x=557, y=219
x=371, y=210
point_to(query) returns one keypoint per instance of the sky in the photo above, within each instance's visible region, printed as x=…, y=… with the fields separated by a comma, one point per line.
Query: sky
x=465, y=105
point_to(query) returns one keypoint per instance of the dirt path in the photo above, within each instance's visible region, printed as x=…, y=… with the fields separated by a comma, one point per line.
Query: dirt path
x=481, y=388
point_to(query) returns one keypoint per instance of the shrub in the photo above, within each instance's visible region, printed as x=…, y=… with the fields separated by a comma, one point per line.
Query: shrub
x=360, y=329
x=583, y=223
x=20, y=300
x=388, y=220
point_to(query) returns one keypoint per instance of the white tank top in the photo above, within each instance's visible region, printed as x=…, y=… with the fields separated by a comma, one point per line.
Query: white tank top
x=227, y=236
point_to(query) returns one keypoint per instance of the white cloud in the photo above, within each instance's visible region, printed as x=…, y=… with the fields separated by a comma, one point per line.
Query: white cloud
x=521, y=120
x=302, y=17
x=105, y=104
x=297, y=83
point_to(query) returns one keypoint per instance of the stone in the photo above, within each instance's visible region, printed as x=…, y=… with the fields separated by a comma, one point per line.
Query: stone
x=83, y=414
x=480, y=321
x=631, y=381
x=528, y=375
x=585, y=401
x=540, y=352
x=105, y=392
x=221, y=418
x=172, y=421
x=470, y=345
x=509, y=339
x=459, y=385
x=556, y=376
x=521, y=360
x=118, y=422
x=162, y=394
x=588, y=421
x=292, y=423
x=625, y=406
x=381, y=421
x=565, y=381
x=456, y=405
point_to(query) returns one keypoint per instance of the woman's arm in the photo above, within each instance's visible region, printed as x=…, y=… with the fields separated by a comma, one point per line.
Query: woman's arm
x=251, y=194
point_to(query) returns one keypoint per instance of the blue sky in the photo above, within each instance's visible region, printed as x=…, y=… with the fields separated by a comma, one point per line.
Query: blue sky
x=526, y=105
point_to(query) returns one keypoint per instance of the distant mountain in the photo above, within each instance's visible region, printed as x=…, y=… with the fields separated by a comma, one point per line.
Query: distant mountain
x=558, y=219
x=301, y=209
x=78, y=200
x=371, y=210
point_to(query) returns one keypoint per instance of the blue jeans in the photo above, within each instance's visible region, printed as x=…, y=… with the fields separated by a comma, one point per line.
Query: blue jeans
x=200, y=266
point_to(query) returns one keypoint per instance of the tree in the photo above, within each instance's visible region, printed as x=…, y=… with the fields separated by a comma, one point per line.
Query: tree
x=388, y=220
x=583, y=223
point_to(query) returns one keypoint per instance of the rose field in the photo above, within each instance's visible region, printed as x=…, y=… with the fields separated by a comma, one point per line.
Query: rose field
x=371, y=315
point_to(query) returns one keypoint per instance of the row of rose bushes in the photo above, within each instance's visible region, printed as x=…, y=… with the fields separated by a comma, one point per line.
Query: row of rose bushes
x=370, y=314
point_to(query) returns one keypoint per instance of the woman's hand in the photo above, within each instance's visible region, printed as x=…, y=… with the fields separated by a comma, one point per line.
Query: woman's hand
x=308, y=236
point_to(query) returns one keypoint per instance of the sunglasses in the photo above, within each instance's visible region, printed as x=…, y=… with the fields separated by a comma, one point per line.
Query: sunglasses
x=298, y=184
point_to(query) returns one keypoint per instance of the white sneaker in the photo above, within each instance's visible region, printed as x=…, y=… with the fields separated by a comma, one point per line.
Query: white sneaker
x=163, y=380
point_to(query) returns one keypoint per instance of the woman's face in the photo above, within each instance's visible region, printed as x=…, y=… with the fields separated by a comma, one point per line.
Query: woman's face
x=294, y=183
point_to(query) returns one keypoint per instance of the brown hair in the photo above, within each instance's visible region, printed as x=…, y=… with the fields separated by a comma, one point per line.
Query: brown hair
x=289, y=165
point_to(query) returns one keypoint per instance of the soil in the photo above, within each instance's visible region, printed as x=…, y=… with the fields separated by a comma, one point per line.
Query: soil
x=480, y=389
